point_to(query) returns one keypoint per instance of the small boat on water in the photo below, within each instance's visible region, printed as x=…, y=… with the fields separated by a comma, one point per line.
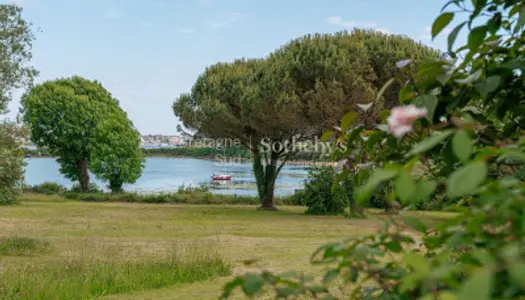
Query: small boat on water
x=221, y=177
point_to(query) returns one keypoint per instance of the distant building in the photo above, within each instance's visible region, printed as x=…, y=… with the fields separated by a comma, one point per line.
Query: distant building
x=175, y=140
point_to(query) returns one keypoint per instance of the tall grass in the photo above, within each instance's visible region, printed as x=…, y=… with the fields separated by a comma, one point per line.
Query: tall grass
x=21, y=246
x=88, y=278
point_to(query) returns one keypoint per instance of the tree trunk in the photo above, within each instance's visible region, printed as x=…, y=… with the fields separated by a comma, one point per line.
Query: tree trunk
x=265, y=177
x=83, y=175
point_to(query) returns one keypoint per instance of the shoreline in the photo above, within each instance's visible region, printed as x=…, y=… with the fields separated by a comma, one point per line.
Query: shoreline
x=230, y=159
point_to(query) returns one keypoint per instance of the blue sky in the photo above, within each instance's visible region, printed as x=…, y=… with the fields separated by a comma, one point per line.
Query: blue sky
x=147, y=52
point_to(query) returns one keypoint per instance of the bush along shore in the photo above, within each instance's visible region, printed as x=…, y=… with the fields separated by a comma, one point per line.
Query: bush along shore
x=185, y=195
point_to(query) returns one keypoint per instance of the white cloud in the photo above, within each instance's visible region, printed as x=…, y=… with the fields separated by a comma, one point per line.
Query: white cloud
x=233, y=18
x=186, y=30
x=340, y=22
x=145, y=24
x=428, y=36
x=382, y=30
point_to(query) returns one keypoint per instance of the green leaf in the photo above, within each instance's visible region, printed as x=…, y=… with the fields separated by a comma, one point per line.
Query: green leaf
x=424, y=189
x=441, y=22
x=453, y=35
x=476, y=37
x=384, y=88
x=467, y=179
x=478, y=7
x=488, y=85
x=517, y=273
x=444, y=76
x=348, y=120
x=373, y=139
x=515, y=10
x=462, y=146
x=252, y=284
x=318, y=289
x=512, y=155
x=493, y=26
x=340, y=177
x=478, y=286
x=513, y=64
x=430, y=102
x=521, y=20
x=364, y=193
x=405, y=186
x=430, y=142
x=394, y=246
x=326, y=135
x=416, y=262
x=384, y=114
x=414, y=223
x=230, y=286
x=471, y=77
x=406, y=93
x=353, y=274
x=330, y=275
x=285, y=291
x=447, y=295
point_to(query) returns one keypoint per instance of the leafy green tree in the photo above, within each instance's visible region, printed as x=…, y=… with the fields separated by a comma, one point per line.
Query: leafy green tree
x=307, y=85
x=62, y=116
x=221, y=106
x=11, y=162
x=16, y=40
x=116, y=156
x=293, y=95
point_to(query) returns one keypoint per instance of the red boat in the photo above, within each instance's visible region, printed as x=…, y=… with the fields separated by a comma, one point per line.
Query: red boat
x=221, y=177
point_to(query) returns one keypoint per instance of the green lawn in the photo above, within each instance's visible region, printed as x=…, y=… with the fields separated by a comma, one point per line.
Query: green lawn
x=121, y=232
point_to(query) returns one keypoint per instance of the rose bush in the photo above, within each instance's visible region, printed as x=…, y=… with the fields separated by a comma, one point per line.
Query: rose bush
x=460, y=138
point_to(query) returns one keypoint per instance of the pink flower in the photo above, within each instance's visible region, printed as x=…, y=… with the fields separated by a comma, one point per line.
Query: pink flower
x=402, y=117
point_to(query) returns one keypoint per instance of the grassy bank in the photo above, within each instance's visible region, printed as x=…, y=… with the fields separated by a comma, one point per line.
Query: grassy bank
x=82, y=237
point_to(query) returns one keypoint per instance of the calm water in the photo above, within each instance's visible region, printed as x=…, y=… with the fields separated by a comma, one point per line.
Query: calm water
x=168, y=174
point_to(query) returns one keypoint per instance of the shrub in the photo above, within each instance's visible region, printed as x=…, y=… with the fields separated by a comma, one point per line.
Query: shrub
x=186, y=197
x=93, y=188
x=48, y=188
x=297, y=198
x=318, y=195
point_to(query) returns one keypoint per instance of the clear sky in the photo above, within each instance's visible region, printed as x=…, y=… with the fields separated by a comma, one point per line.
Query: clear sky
x=147, y=52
